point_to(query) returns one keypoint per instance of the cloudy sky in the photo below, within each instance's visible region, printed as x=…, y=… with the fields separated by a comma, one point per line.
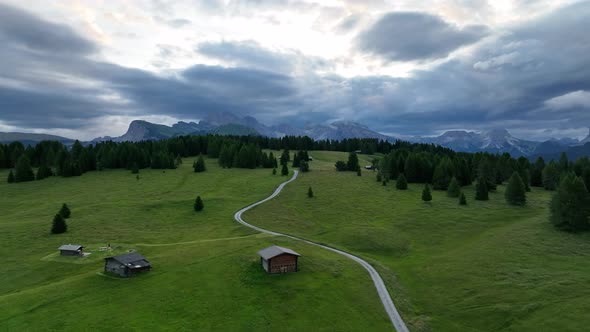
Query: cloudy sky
x=86, y=68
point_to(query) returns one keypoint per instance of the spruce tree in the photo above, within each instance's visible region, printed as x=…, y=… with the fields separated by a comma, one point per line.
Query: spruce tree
x=515, y=190
x=462, y=199
x=199, y=204
x=379, y=177
x=537, y=173
x=481, y=190
x=134, y=169
x=570, y=206
x=353, y=162
x=384, y=183
x=309, y=193
x=551, y=176
x=274, y=171
x=23, y=171
x=401, y=183
x=304, y=166
x=454, y=188
x=443, y=173
x=65, y=211
x=426, y=194
x=11, y=177
x=59, y=225
x=358, y=172
x=284, y=170
x=199, y=164
x=43, y=172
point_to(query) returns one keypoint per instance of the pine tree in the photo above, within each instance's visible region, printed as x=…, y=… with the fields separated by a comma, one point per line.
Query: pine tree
x=284, y=170
x=199, y=204
x=481, y=190
x=11, y=177
x=537, y=173
x=304, y=166
x=486, y=173
x=426, y=194
x=43, y=172
x=65, y=211
x=454, y=188
x=462, y=199
x=340, y=166
x=59, y=225
x=442, y=174
x=285, y=157
x=550, y=176
x=401, y=183
x=309, y=193
x=353, y=162
x=199, y=164
x=23, y=171
x=570, y=206
x=515, y=190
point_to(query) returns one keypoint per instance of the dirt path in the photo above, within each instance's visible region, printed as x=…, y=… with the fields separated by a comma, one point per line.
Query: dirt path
x=390, y=308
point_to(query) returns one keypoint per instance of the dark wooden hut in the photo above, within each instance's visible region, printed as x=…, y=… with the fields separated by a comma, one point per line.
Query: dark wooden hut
x=126, y=265
x=277, y=259
x=71, y=250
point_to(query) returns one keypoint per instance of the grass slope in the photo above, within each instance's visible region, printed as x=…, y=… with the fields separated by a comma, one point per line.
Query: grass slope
x=206, y=274
x=484, y=267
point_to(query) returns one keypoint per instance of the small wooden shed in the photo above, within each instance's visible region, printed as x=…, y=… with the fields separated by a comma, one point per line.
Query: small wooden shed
x=126, y=265
x=277, y=259
x=71, y=250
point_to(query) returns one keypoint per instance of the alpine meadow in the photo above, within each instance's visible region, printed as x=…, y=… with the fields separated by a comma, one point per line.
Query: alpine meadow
x=300, y=165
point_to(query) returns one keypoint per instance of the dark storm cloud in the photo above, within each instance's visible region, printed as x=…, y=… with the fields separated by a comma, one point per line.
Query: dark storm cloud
x=507, y=81
x=407, y=36
x=18, y=28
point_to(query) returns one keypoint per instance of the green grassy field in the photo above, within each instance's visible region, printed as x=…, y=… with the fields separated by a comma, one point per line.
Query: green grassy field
x=206, y=274
x=484, y=267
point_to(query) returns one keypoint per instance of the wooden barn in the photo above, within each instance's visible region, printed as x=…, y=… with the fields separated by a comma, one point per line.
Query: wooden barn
x=277, y=259
x=71, y=250
x=126, y=265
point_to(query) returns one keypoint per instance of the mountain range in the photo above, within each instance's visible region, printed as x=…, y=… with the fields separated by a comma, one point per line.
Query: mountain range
x=226, y=123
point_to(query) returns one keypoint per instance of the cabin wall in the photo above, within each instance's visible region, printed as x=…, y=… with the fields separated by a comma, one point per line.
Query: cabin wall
x=112, y=266
x=70, y=253
x=283, y=263
x=264, y=263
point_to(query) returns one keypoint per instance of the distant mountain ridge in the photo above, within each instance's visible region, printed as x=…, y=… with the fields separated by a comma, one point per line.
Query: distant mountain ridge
x=31, y=138
x=226, y=123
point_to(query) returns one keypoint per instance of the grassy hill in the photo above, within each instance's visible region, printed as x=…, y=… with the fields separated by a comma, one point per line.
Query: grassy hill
x=206, y=274
x=484, y=267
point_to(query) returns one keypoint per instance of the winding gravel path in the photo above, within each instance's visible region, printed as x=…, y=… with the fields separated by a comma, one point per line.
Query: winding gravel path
x=394, y=316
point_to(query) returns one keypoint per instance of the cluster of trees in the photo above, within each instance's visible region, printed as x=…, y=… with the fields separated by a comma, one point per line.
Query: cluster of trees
x=351, y=165
x=59, y=221
x=301, y=160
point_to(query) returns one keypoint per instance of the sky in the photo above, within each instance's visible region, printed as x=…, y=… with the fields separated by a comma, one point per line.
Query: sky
x=84, y=69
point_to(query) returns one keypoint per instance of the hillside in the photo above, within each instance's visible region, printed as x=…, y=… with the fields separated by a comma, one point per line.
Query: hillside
x=484, y=267
x=206, y=274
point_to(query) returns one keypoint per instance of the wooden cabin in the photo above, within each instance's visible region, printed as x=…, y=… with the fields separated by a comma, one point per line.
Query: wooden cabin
x=126, y=265
x=71, y=250
x=277, y=259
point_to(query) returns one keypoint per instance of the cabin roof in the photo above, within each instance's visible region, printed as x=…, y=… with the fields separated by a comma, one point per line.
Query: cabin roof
x=71, y=247
x=131, y=258
x=274, y=251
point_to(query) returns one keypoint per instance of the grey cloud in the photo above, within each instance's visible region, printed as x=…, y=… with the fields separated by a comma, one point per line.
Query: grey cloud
x=245, y=53
x=412, y=36
x=19, y=28
x=178, y=23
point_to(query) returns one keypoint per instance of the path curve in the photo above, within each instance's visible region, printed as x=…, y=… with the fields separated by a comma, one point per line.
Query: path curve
x=390, y=308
